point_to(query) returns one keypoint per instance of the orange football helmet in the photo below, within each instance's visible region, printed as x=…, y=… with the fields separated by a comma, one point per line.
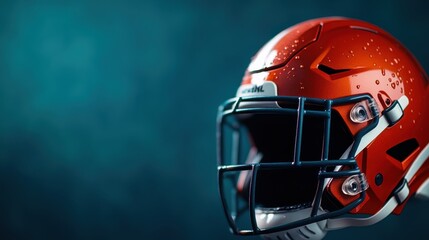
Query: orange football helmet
x=329, y=130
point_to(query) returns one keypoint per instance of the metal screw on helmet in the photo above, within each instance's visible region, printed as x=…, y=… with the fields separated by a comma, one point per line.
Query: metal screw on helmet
x=358, y=114
x=354, y=185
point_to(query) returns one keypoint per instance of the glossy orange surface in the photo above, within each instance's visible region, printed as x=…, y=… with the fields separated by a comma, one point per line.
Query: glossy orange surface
x=336, y=57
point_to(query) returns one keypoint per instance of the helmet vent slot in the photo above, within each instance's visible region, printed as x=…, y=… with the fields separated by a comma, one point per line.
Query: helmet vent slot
x=404, y=149
x=329, y=70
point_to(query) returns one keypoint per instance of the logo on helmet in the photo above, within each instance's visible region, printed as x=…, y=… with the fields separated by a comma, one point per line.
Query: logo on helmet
x=254, y=89
x=268, y=88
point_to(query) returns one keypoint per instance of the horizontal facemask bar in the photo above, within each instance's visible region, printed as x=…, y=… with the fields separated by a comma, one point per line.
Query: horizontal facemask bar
x=233, y=214
x=362, y=139
x=301, y=108
x=232, y=107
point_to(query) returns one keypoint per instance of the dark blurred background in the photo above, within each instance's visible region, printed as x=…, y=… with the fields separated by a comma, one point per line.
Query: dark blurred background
x=107, y=111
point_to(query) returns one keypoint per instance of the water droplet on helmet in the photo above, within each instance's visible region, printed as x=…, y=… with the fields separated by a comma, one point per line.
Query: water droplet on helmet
x=390, y=79
x=351, y=51
x=293, y=69
x=383, y=72
x=370, y=55
x=377, y=81
x=357, y=86
x=371, y=40
x=393, y=75
x=296, y=57
x=385, y=60
x=391, y=49
x=296, y=41
x=397, y=83
x=393, y=85
x=301, y=66
x=411, y=79
x=364, y=48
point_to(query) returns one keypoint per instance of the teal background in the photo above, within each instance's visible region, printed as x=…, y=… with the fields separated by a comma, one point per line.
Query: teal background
x=107, y=111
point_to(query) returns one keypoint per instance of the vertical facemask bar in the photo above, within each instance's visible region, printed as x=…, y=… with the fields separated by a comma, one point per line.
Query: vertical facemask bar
x=235, y=151
x=232, y=107
x=235, y=160
x=252, y=199
x=227, y=211
x=325, y=154
x=230, y=211
x=298, y=135
x=327, y=138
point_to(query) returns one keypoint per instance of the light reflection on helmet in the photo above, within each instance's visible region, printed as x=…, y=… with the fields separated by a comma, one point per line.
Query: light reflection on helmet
x=328, y=130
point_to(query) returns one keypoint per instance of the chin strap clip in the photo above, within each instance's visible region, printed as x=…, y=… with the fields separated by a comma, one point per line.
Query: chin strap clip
x=401, y=192
x=395, y=112
x=398, y=197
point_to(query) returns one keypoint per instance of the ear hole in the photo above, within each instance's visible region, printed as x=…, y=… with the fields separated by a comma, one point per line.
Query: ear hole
x=404, y=149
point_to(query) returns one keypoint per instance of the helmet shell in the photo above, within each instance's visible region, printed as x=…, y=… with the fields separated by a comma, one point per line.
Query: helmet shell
x=335, y=57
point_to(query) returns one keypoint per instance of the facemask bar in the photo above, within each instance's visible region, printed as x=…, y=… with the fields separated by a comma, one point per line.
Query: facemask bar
x=235, y=106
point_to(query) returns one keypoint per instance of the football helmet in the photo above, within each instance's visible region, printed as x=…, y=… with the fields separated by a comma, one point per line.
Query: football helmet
x=328, y=129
